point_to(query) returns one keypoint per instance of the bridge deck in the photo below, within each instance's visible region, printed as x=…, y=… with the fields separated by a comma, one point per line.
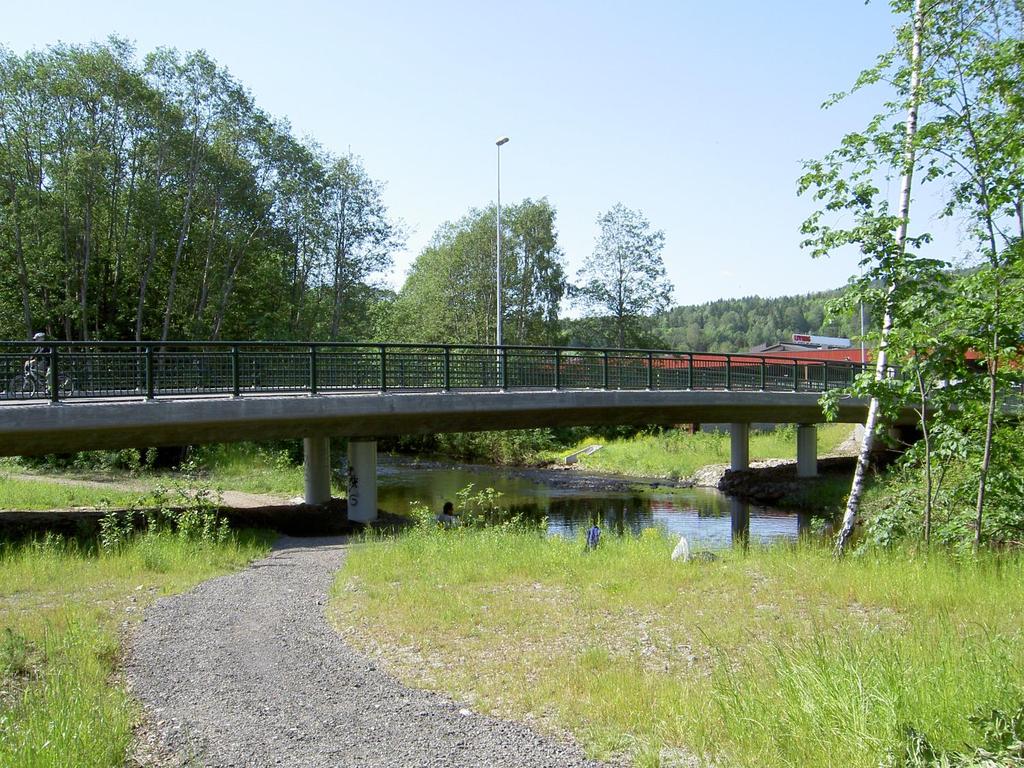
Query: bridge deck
x=40, y=428
x=96, y=395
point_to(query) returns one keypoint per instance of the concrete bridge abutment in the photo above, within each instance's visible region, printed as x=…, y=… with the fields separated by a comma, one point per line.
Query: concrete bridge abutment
x=807, y=450
x=361, y=476
x=362, y=480
x=316, y=461
x=739, y=454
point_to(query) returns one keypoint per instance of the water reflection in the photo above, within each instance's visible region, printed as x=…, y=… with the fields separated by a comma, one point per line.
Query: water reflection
x=705, y=516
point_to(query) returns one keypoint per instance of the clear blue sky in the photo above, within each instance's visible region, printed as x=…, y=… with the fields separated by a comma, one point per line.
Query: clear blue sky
x=698, y=114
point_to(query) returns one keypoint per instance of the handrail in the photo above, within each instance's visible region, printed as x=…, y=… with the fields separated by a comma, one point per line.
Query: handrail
x=227, y=344
x=79, y=370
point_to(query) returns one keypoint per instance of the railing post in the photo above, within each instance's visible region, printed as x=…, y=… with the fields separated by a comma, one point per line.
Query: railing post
x=689, y=370
x=728, y=373
x=604, y=369
x=383, y=368
x=504, y=368
x=650, y=370
x=312, y=369
x=446, y=369
x=150, y=373
x=236, y=388
x=763, y=376
x=796, y=381
x=558, y=369
x=54, y=378
x=825, y=378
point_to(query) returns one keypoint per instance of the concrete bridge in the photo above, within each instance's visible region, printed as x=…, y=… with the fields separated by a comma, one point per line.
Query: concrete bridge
x=101, y=395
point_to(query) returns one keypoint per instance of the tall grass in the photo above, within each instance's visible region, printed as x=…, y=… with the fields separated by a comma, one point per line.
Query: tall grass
x=62, y=609
x=677, y=454
x=246, y=467
x=250, y=468
x=30, y=494
x=774, y=657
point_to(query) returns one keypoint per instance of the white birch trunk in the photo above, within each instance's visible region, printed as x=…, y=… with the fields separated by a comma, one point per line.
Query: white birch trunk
x=906, y=184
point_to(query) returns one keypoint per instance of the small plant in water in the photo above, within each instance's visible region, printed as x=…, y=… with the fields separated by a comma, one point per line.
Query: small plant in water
x=480, y=508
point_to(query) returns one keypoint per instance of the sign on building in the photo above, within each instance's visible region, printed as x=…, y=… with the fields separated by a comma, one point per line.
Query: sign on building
x=822, y=341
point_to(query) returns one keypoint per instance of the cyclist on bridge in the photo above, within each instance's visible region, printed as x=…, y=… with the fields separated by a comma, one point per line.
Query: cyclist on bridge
x=40, y=360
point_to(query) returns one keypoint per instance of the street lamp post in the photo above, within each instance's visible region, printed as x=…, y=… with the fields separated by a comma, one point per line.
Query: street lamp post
x=497, y=269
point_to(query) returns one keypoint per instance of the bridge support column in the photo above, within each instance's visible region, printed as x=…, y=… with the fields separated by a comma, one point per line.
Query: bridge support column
x=740, y=454
x=739, y=522
x=807, y=450
x=362, y=480
x=317, y=466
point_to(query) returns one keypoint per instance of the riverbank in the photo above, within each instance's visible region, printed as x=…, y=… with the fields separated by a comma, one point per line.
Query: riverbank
x=84, y=493
x=765, y=657
x=770, y=483
x=675, y=454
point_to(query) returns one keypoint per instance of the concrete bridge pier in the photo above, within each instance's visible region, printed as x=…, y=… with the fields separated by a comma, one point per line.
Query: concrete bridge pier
x=739, y=522
x=362, y=480
x=807, y=450
x=739, y=455
x=317, y=468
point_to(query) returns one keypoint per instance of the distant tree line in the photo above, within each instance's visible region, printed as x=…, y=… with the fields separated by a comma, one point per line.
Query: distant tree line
x=731, y=325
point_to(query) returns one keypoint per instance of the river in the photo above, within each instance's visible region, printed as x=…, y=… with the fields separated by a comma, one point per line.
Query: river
x=571, y=501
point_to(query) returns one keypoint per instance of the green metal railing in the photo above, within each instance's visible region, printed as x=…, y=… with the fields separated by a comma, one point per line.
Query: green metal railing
x=113, y=369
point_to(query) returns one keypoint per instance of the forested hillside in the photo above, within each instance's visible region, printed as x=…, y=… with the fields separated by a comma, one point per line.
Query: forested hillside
x=732, y=325
x=155, y=199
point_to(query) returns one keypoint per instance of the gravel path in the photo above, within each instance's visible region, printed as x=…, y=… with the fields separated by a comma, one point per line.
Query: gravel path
x=244, y=670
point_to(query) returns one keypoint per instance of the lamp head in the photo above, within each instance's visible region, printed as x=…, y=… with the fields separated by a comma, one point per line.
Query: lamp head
x=502, y=140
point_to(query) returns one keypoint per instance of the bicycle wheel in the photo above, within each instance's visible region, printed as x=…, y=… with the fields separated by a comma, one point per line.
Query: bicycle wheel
x=21, y=386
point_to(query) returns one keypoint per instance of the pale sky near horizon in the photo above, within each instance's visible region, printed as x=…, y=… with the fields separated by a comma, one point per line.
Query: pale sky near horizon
x=697, y=114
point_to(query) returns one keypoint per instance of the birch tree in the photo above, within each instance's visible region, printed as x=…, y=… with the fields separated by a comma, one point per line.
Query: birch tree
x=845, y=182
x=977, y=97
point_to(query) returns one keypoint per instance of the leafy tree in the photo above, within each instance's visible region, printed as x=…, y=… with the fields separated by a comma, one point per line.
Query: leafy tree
x=625, y=280
x=977, y=137
x=963, y=75
x=154, y=199
x=362, y=238
x=845, y=182
x=449, y=294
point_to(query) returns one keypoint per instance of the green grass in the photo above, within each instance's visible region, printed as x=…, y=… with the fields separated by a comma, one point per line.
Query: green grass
x=677, y=454
x=31, y=494
x=62, y=606
x=245, y=467
x=778, y=657
x=248, y=468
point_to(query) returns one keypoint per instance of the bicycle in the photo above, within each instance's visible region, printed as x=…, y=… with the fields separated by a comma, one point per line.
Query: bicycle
x=36, y=380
